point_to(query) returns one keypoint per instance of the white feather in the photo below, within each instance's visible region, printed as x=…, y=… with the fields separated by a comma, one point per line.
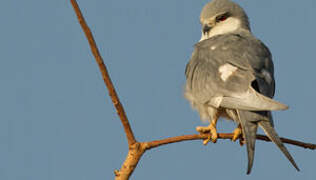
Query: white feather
x=226, y=71
x=229, y=25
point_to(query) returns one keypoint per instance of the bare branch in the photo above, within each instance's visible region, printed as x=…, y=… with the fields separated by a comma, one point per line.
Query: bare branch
x=138, y=149
x=290, y=141
x=157, y=143
x=106, y=77
x=135, y=153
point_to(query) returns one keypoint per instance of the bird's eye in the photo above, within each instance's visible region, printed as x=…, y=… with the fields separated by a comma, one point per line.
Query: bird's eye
x=221, y=18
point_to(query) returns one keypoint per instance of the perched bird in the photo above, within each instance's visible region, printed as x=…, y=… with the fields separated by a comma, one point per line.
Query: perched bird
x=231, y=75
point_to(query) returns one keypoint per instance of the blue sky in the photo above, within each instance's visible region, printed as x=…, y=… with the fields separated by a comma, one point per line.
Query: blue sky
x=57, y=121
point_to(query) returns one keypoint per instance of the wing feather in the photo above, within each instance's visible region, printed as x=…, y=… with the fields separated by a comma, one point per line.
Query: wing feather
x=253, y=63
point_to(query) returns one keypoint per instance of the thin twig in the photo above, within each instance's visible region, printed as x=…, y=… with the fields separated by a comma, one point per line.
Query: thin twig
x=290, y=141
x=157, y=143
x=105, y=75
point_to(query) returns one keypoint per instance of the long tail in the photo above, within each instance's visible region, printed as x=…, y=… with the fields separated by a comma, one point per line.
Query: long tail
x=271, y=133
x=249, y=129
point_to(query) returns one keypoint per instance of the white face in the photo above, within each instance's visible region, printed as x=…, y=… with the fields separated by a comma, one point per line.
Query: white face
x=229, y=25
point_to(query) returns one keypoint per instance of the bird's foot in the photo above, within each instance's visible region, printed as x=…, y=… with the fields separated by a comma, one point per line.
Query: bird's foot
x=242, y=141
x=210, y=130
x=237, y=133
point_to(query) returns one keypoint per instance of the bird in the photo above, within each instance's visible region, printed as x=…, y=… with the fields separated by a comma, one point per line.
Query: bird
x=231, y=75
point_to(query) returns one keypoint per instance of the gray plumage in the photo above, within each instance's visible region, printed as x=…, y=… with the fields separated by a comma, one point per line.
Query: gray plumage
x=231, y=75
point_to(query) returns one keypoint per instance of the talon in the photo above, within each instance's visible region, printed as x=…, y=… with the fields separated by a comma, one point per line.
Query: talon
x=207, y=140
x=211, y=130
x=237, y=132
x=241, y=141
x=214, y=135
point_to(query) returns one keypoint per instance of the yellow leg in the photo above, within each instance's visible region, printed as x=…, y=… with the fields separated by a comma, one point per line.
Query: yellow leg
x=211, y=130
x=237, y=132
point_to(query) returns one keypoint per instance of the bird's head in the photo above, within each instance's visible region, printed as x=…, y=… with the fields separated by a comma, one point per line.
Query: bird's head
x=222, y=16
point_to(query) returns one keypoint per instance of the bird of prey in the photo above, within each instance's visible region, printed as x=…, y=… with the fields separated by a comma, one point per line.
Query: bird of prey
x=231, y=75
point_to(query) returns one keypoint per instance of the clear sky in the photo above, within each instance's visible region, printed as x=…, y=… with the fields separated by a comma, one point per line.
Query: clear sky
x=58, y=123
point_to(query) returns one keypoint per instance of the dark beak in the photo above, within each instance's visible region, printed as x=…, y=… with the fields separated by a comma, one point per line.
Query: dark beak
x=206, y=28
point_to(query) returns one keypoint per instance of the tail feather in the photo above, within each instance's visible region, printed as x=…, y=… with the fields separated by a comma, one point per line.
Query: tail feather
x=249, y=129
x=271, y=133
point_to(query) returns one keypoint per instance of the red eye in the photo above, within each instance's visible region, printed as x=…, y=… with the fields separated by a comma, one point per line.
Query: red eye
x=221, y=18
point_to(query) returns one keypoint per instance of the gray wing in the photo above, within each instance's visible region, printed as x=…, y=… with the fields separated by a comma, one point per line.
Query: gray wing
x=251, y=65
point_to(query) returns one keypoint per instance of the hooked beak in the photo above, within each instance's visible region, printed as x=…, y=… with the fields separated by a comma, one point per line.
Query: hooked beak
x=206, y=28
